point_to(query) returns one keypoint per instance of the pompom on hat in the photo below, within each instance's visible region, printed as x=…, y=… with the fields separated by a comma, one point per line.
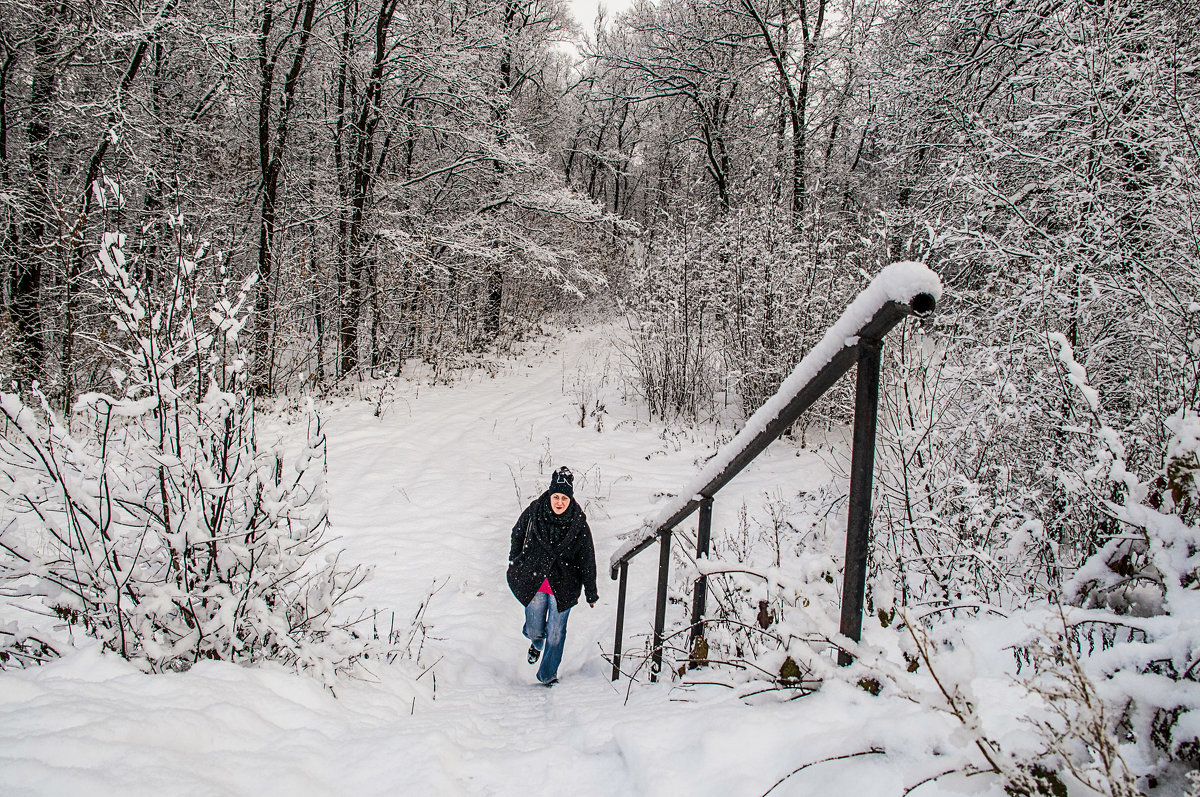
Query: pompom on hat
x=563, y=481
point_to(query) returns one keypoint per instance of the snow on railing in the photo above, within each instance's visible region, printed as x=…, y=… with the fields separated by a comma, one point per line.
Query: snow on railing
x=899, y=282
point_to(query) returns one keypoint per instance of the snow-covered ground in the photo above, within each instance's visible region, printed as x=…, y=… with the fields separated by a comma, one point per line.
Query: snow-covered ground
x=427, y=492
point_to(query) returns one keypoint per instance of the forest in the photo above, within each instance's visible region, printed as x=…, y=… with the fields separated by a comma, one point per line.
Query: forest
x=359, y=188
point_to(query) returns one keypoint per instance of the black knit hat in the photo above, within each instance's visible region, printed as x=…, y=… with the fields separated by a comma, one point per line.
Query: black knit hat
x=563, y=481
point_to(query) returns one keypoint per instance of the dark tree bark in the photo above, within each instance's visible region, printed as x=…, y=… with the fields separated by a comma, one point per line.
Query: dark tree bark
x=35, y=231
x=271, y=156
x=11, y=233
x=494, y=289
x=9, y=57
x=364, y=167
x=341, y=246
x=795, y=97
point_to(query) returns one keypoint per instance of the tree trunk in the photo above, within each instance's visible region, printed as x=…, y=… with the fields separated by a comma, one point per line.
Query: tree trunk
x=341, y=247
x=11, y=234
x=364, y=168
x=494, y=286
x=270, y=159
x=27, y=274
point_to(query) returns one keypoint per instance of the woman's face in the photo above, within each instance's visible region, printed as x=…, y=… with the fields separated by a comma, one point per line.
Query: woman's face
x=559, y=503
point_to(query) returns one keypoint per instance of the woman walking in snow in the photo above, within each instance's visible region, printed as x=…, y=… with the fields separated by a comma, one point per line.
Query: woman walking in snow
x=552, y=558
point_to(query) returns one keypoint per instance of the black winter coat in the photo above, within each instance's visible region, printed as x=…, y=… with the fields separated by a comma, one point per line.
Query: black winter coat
x=569, y=564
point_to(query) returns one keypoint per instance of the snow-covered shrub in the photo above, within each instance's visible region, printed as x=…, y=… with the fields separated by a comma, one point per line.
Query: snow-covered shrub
x=1112, y=680
x=1061, y=739
x=1078, y=728
x=1107, y=685
x=1052, y=221
x=773, y=583
x=955, y=523
x=671, y=348
x=723, y=308
x=1139, y=603
x=159, y=526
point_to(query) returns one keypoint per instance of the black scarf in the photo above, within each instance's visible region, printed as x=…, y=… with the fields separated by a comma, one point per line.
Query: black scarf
x=556, y=527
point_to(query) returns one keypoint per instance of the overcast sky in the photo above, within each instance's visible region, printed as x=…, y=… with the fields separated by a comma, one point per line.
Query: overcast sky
x=585, y=10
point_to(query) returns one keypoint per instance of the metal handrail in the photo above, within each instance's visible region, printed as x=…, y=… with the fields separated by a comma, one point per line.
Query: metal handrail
x=865, y=352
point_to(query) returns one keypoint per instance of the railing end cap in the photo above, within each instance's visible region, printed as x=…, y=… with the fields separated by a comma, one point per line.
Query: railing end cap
x=923, y=303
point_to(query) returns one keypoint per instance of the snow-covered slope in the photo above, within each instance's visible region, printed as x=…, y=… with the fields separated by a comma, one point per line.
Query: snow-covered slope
x=427, y=492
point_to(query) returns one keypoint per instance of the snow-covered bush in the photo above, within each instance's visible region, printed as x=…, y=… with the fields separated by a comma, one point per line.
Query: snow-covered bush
x=1139, y=604
x=675, y=361
x=723, y=309
x=1049, y=220
x=957, y=524
x=1103, y=666
x=773, y=583
x=1110, y=680
x=152, y=519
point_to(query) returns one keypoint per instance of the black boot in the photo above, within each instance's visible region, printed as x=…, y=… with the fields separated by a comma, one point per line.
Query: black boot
x=534, y=654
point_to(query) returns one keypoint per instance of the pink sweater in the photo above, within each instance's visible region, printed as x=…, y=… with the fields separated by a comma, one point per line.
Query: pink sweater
x=546, y=587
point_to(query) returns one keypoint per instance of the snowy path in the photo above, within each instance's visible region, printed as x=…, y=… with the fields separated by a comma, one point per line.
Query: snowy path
x=427, y=493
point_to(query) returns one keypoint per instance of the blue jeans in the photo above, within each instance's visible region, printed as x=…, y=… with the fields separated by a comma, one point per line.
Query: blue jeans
x=546, y=627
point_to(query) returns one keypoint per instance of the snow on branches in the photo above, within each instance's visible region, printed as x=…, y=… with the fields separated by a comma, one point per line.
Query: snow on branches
x=152, y=519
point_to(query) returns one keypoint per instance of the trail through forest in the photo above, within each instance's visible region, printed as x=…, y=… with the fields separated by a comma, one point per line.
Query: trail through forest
x=426, y=492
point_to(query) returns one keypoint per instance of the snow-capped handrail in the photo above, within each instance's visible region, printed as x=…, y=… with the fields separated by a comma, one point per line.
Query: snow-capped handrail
x=898, y=290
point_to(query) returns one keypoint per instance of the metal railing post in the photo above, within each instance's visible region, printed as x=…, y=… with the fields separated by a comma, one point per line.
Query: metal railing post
x=616, y=672
x=862, y=464
x=660, y=605
x=700, y=591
